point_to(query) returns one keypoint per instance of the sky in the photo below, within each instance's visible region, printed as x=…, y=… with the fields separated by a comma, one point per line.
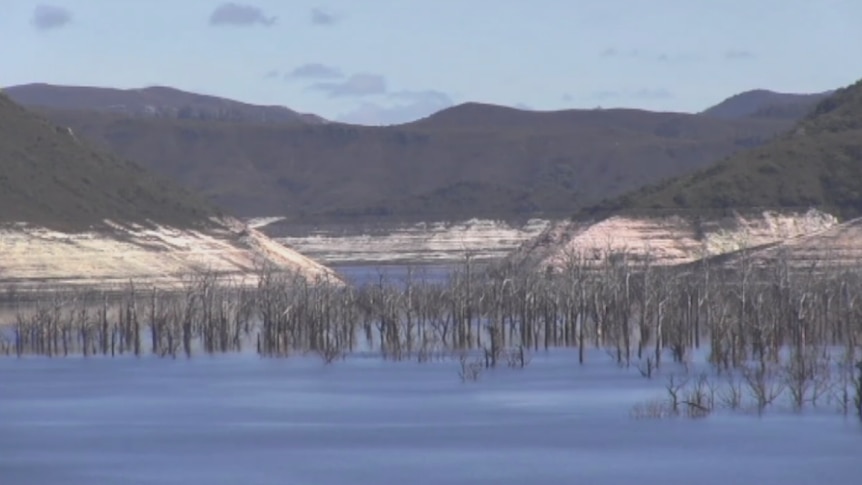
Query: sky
x=391, y=61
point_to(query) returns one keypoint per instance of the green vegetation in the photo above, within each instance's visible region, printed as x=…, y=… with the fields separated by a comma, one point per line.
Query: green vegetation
x=48, y=176
x=469, y=161
x=472, y=160
x=152, y=102
x=761, y=103
x=818, y=164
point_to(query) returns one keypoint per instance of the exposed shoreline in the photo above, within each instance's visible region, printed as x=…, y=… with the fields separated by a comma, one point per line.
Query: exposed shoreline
x=161, y=256
x=397, y=243
x=165, y=258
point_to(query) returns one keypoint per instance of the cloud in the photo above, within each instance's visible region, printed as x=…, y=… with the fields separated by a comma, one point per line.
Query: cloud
x=611, y=52
x=567, y=97
x=239, y=15
x=314, y=70
x=272, y=74
x=425, y=96
x=356, y=85
x=409, y=106
x=647, y=93
x=738, y=54
x=389, y=107
x=47, y=17
x=322, y=17
x=614, y=53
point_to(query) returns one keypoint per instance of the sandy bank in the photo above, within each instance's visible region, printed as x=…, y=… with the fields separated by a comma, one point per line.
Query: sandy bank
x=666, y=240
x=839, y=245
x=483, y=239
x=35, y=256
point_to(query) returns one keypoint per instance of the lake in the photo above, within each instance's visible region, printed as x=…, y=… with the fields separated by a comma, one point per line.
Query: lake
x=363, y=274
x=243, y=419
x=239, y=418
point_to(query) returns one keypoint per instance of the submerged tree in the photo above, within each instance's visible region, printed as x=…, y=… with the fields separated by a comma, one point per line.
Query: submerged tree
x=771, y=329
x=858, y=386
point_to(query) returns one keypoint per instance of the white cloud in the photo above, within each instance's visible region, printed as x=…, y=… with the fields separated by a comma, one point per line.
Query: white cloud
x=408, y=106
x=361, y=84
x=315, y=70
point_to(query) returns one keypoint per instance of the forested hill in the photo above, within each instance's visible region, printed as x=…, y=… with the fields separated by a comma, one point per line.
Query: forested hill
x=51, y=177
x=816, y=164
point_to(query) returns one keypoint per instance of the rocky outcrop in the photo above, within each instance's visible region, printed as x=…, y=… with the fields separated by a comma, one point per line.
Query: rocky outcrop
x=163, y=256
x=666, y=240
x=840, y=245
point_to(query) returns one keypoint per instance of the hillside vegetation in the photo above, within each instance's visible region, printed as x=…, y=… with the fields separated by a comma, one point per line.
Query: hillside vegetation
x=817, y=164
x=153, y=102
x=762, y=103
x=50, y=177
x=472, y=160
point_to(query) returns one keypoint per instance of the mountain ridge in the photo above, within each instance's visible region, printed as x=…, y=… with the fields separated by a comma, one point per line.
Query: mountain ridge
x=472, y=160
x=765, y=103
x=154, y=102
x=816, y=164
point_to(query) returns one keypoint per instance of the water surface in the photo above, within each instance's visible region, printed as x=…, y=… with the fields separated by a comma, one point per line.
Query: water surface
x=243, y=419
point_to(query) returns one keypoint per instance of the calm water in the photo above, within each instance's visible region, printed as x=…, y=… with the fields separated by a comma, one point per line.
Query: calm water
x=360, y=274
x=242, y=419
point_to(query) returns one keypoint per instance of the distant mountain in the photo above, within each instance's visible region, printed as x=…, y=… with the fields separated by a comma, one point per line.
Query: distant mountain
x=471, y=160
x=153, y=102
x=817, y=164
x=762, y=103
x=48, y=176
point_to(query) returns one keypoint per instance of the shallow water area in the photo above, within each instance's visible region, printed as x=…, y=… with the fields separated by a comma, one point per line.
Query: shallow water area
x=241, y=418
x=364, y=274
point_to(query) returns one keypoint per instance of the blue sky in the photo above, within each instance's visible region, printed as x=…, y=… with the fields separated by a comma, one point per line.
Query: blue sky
x=384, y=61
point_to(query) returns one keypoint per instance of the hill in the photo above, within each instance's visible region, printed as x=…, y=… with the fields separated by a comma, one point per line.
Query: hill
x=762, y=103
x=70, y=214
x=818, y=164
x=471, y=160
x=49, y=177
x=153, y=102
